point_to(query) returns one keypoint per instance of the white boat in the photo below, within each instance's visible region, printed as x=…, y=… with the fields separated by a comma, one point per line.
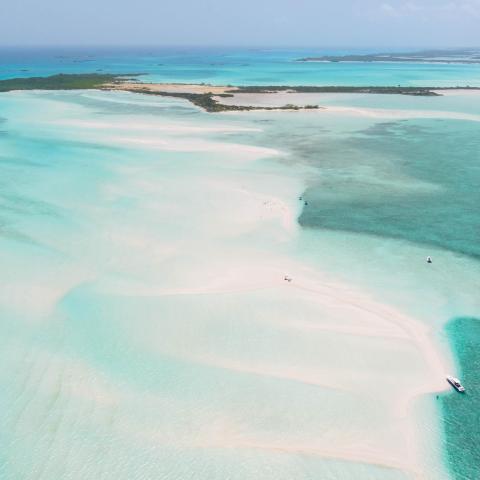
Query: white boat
x=455, y=383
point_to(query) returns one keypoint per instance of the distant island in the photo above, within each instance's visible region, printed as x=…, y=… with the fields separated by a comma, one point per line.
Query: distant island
x=469, y=56
x=63, y=81
x=204, y=96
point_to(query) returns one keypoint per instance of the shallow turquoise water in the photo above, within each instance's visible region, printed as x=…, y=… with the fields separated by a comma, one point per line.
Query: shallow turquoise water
x=64, y=192
x=462, y=412
x=409, y=178
x=419, y=182
x=102, y=377
x=254, y=66
x=414, y=180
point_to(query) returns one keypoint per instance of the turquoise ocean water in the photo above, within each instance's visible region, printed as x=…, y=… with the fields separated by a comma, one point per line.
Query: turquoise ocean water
x=254, y=66
x=415, y=180
x=382, y=192
x=461, y=414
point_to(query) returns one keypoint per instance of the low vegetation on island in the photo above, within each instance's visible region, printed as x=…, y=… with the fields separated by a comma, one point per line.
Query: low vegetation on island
x=467, y=56
x=211, y=104
x=206, y=99
x=63, y=81
x=398, y=90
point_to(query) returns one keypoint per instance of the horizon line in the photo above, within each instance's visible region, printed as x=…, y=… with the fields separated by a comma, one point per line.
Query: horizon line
x=249, y=47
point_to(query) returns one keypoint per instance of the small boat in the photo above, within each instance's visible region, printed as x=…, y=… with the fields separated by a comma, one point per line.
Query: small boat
x=429, y=259
x=455, y=383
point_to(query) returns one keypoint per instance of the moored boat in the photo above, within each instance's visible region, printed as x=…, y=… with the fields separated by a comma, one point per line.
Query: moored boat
x=455, y=383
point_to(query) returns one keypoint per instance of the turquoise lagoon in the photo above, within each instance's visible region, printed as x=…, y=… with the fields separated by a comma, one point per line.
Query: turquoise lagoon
x=413, y=177
x=236, y=66
x=115, y=368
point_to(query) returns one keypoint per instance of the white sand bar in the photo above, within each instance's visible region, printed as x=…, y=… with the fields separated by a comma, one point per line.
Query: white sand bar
x=176, y=338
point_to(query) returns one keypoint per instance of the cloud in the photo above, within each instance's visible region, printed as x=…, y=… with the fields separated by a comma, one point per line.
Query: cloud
x=389, y=10
x=471, y=7
x=426, y=9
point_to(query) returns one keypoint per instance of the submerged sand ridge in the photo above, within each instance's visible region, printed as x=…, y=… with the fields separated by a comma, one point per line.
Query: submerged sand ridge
x=176, y=338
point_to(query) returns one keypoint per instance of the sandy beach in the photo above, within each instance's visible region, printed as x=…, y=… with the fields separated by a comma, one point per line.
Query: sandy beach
x=177, y=272
x=348, y=104
x=362, y=104
x=171, y=87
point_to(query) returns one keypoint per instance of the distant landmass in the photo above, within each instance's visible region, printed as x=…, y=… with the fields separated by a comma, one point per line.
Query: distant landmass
x=470, y=56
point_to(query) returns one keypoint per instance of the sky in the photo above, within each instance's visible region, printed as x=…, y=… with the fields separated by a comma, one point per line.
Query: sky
x=328, y=23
